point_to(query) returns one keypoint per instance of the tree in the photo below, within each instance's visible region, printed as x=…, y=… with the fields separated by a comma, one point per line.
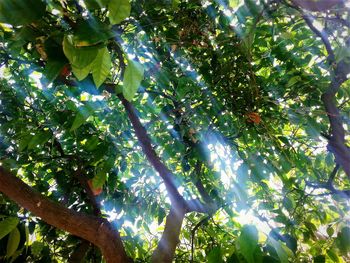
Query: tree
x=187, y=131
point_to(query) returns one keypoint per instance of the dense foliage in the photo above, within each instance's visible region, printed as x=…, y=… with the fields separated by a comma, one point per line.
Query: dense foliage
x=246, y=109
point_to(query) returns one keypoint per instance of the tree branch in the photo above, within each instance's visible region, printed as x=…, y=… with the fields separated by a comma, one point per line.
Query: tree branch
x=165, y=250
x=169, y=179
x=96, y=230
x=336, y=142
x=323, y=35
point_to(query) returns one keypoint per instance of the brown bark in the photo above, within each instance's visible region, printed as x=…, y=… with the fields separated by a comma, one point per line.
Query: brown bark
x=165, y=250
x=145, y=142
x=94, y=229
x=336, y=141
x=79, y=253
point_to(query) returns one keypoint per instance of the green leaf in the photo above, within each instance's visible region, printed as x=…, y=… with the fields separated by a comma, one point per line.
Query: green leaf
x=234, y=3
x=282, y=250
x=13, y=242
x=21, y=12
x=118, y=11
x=39, y=139
x=247, y=242
x=215, y=255
x=81, y=73
x=132, y=79
x=292, y=81
x=79, y=57
x=333, y=255
x=7, y=225
x=343, y=240
x=101, y=66
x=80, y=118
x=36, y=248
x=99, y=178
x=91, y=32
x=26, y=229
x=53, y=69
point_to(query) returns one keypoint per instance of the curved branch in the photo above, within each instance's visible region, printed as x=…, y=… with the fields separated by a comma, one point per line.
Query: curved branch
x=145, y=142
x=96, y=230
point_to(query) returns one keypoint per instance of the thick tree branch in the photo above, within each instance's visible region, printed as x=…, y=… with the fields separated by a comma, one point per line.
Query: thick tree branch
x=323, y=35
x=79, y=253
x=336, y=142
x=165, y=250
x=169, y=179
x=96, y=230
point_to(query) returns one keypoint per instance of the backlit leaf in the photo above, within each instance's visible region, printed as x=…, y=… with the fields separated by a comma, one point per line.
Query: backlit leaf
x=101, y=66
x=7, y=225
x=132, y=79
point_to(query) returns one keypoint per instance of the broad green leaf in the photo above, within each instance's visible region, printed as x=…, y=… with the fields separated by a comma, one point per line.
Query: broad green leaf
x=7, y=225
x=91, y=32
x=24, y=141
x=79, y=57
x=99, y=178
x=21, y=12
x=81, y=73
x=80, y=118
x=132, y=79
x=247, y=242
x=13, y=242
x=101, y=66
x=39, y=138
x=118, y=11
x=215, y=255
x=282, y=250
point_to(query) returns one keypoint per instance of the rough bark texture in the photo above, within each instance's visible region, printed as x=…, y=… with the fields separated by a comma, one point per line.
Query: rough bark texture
x=94, y=229
x=165, y=250
x=336, y=143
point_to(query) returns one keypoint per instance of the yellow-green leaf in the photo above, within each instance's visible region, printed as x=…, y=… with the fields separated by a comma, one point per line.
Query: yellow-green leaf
x=7, y=225
x=79, y=57
x=132, y=79
x=101, y=66
x=81, y=73
x=13, y=242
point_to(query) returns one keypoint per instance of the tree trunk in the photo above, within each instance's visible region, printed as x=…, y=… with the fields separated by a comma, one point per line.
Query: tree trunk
x=94, y=229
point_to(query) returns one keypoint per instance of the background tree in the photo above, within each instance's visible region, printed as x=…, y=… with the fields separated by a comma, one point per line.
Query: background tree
x=187, y=131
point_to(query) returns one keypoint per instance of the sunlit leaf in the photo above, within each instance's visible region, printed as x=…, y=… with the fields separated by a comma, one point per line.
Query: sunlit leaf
x=7, y=225
x=247, y=242
x=118, y=10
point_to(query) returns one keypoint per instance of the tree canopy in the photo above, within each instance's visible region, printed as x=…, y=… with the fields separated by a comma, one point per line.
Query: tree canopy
x=174, y=131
